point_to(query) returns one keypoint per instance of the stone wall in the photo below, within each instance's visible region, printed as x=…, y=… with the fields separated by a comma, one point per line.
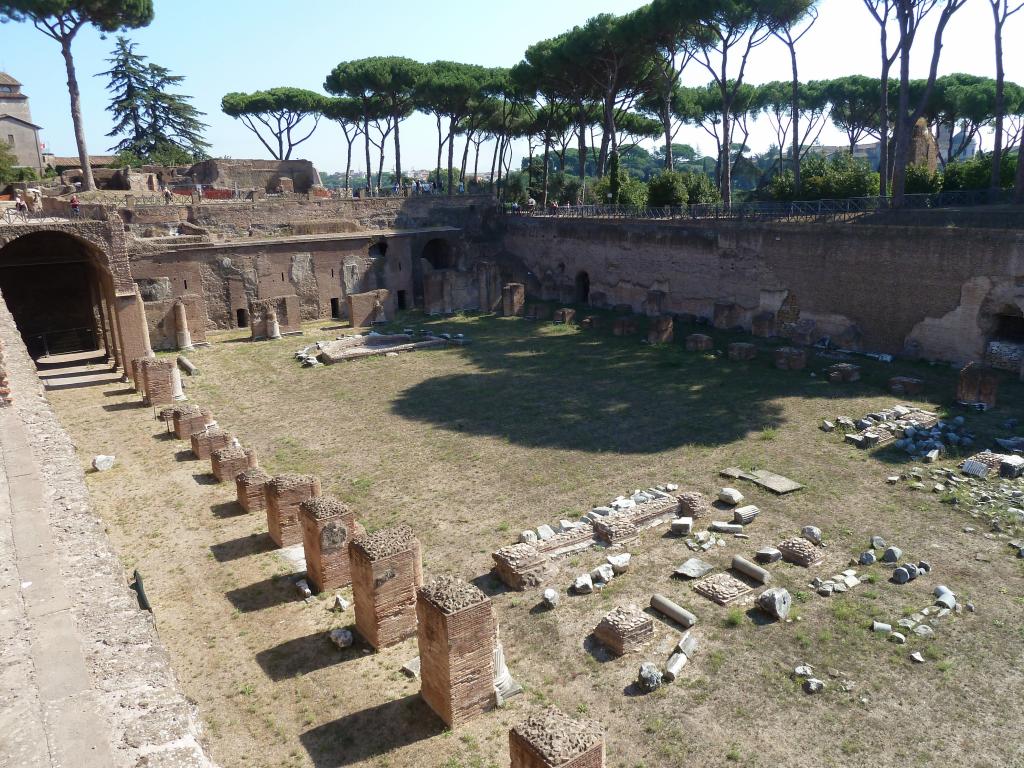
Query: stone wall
x=923, y=292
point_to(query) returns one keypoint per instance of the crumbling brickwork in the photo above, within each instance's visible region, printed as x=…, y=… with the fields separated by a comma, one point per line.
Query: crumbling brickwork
x=387, y=569
x=456, y=632
x=284, y=495
x=328, y=527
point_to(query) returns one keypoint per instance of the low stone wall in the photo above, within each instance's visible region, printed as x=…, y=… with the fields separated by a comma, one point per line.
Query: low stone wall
x=928, y=292
x=148, y=720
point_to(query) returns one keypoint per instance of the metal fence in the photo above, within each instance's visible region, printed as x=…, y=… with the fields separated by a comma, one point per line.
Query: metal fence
x=848, y=209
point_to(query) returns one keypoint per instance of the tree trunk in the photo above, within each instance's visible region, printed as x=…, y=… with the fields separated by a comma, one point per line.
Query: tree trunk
x=529, y=165
x=1018, y=188
x=476, y=162
x=581, y=144
x=494, y=161
x=76, y=116
x=796, y=119
x=544, y=182
x=366, y=143
x=440, y=144
x=725, y=161
x=465, y=159
x=380, y=164
x=451, y=153
x=666, y=124
x=883, y=117
x=398, y=156
x=348, y=161
x=904, y=127
x=997, y=147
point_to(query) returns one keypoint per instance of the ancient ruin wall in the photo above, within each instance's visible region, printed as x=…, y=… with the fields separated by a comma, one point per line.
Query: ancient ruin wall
x=920, y=291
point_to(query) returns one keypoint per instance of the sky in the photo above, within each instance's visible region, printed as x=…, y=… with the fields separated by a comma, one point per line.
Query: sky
x=244, y=45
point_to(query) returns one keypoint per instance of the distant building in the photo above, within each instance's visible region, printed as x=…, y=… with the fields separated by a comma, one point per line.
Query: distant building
x=16, y=127
x=968, y=149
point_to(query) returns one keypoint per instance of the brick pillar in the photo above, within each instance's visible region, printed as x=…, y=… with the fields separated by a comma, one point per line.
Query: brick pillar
x=551, y=739
x=250, y=490
x=131, y=318
x=456, y=632
x=327, y=528
x=157, y=381
x=513, y=299
x=227, y=463
x=206, y=441
x=189, y=419
x=387, y=569
x=284, y=495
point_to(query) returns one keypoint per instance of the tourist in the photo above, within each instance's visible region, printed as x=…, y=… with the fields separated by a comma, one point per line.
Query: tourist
x=19, y=203
x=76, y=207
x=167, y=196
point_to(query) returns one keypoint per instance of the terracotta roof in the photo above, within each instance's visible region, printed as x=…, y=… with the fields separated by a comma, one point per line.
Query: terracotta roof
x=6, y=79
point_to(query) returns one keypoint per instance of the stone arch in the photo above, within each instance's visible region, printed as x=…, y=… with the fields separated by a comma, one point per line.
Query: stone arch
x=438, y=252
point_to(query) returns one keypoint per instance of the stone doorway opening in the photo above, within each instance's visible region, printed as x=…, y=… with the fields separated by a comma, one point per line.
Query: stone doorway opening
x=439, y=254
x=60, y=295
x=242, y=317
x=582, y=288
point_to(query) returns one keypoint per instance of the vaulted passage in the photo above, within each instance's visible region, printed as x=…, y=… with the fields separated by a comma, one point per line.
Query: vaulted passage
x=439, y=253
x=54, y=288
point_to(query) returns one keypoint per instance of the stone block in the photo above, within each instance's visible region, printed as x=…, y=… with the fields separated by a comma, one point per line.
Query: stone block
x=564, y=315
x=699, y=342
x=552, y=739
x=226, y=463
x=843, y=372
x=763, y=325
x=977, y=384
x=906, y=385
x=365, y=309
x=742, y=351
x=790, y=359
x=662, y=330
x=513, y=299
x=327, y=528
x=387, y=569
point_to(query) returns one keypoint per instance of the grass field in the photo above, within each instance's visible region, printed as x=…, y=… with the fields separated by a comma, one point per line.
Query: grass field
x=530, y=423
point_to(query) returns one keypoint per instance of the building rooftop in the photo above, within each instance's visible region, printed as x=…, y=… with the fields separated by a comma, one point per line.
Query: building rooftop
x=6, y=79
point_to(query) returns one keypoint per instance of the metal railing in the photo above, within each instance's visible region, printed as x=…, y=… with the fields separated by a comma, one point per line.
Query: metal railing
x=846, y=209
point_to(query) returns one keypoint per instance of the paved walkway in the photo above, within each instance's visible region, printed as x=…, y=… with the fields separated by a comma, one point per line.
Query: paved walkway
x=49, y=715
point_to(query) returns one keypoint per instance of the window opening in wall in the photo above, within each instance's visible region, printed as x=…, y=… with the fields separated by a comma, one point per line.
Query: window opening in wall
x=335, y=307
x=1009, y=328
x=282, y=277
x=186, y=284
x=582, y=288
x=242, y=316
x=401, y=300
x=332, y=271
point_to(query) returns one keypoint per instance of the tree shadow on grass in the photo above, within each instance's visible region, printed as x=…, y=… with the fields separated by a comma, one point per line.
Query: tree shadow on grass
x=581, y=391
x=310, y=653
x=373, y=732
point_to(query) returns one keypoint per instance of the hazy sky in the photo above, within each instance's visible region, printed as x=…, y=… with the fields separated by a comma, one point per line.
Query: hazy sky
x=231, y=45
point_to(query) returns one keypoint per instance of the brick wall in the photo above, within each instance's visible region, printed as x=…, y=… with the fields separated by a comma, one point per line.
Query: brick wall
x=921, y=291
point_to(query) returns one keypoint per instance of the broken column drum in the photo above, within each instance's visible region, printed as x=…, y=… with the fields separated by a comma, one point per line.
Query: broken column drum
x=513, y=299
x=227, y=463
x=273, y=327
x=284, y=495
x=327, y=528
x=387, y=569
x=250, y=490
x=181, y=333
x=208, y=440
x=552, y=739
x=177, y=392
x=456, y=632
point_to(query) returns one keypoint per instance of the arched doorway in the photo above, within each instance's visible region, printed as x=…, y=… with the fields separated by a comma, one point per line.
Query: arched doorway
x=57, y=292
x=439, y=253
x=582, y=288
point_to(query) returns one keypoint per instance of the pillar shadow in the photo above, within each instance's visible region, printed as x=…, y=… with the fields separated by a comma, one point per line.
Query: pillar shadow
x=594, y=647
x=235, y=549
x=373, y=732
x=127, y=406
x=490, y=584
x=310, y=653
x=263, y=594
x=227, y=509
x=204, y=478
x=185, y=455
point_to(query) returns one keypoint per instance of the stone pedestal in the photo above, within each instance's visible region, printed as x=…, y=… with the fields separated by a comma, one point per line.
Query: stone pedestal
x=763, y=325
x=284, y=495
x=513, y=299
x=790, y=358
x=699, y=342
x=157, y=381
x=456, y=632
x=977, y=384
x=206, y=441
x=662, y=330
x=552, y=739
x=741, y=351
x=327, y=528
x=387, y=569
x=250, y=490
x=189, y=419
x=227, y=463
x=906, y=385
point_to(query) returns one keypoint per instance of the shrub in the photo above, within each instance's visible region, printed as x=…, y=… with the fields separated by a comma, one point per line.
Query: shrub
x=922, y=181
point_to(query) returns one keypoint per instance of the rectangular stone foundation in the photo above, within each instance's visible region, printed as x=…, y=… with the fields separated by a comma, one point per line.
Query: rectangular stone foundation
x=327, y=528
x=250, y=490
x=284, y=495
x=456, y=632
x=365, y=309
x=552, y=739
x=227, y=463
x=205, y=442
x=387, y=569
